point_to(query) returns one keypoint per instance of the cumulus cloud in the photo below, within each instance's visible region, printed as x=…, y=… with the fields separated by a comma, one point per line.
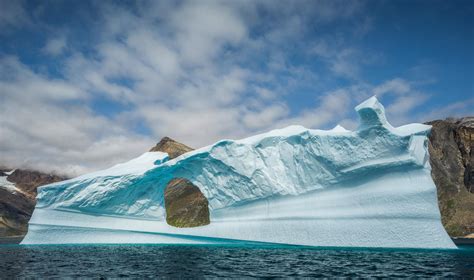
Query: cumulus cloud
x=397, y=86
x=44, y=125
x=343, y=60
x=12, y=15
x=195, y=71
x=452, y=110
x=55, y=46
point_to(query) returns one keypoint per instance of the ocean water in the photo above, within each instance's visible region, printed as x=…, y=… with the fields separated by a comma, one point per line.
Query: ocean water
x=230, y=261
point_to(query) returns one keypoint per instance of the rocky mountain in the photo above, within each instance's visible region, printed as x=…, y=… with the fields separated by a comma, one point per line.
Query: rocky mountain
x=171, y=147
x=451, y=148
x=15, y=211
x=17, y=198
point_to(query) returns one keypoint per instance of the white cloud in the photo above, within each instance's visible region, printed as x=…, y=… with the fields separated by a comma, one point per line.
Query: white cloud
x=16, y=79
x=343, y=61
x=265, y=118
x=202, y=28
x=405, y=99
x=188, y=71
x=12, y=15
x=452, y=110
x=55, y=46
x=397, y=86
x=331, y=107
x=44, y=125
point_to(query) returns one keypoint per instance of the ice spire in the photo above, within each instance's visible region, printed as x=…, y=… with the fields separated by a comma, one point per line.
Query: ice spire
x=371, y=113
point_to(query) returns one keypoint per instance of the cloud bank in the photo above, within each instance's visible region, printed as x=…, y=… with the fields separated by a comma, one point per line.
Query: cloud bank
x=196, y=71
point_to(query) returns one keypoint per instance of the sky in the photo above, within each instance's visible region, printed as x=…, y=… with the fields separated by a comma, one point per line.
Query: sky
x=88, y=84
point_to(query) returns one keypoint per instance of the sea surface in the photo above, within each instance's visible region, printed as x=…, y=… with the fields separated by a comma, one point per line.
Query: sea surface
x=230, y=261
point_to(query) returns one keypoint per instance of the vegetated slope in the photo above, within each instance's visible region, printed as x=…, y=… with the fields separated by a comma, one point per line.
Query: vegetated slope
x=451, y=156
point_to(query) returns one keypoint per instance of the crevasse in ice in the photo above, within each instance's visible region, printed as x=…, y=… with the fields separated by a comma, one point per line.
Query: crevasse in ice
x=368, y=188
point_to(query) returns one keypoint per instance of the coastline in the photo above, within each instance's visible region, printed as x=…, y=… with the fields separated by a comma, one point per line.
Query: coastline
x=11, y=240
x=463, y=241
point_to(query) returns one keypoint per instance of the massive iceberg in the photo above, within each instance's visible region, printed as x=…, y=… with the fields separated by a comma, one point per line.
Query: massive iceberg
x=367, y=188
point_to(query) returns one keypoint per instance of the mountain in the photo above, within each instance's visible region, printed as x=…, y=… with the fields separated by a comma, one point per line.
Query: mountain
x=370, y=187
x=452, y=161
x=171, y=147
x=17, y=198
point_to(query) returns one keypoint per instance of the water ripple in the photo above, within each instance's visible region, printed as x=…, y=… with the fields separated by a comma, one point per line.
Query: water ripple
x=132, y=261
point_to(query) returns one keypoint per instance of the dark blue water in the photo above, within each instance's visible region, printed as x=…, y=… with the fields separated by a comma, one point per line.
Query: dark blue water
x=226, y=261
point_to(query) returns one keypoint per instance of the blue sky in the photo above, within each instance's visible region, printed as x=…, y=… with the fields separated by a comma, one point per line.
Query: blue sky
x=86, y=84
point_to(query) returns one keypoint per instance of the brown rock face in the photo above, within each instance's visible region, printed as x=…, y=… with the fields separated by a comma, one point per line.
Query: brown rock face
x=15, y=212
x=16, y=206
x=185, y=205
x=171, y=147
x=451, y=156
x=28, y=181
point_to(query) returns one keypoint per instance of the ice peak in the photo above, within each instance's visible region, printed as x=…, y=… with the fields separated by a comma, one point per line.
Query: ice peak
x=339, y=128
x=371, y=113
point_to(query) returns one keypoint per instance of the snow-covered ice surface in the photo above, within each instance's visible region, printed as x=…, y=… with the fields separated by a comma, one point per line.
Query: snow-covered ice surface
x=368, y=188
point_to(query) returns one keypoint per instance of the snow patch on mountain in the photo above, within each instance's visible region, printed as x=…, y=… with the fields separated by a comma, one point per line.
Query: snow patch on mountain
x=7, y=184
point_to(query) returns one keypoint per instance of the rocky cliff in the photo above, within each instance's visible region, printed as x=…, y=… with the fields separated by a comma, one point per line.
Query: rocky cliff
x=185, y=205
x=171, y=147
x=17, y=198
x=451, y=150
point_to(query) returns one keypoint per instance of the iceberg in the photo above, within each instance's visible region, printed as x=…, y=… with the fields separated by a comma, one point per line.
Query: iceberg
x=365, y=188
